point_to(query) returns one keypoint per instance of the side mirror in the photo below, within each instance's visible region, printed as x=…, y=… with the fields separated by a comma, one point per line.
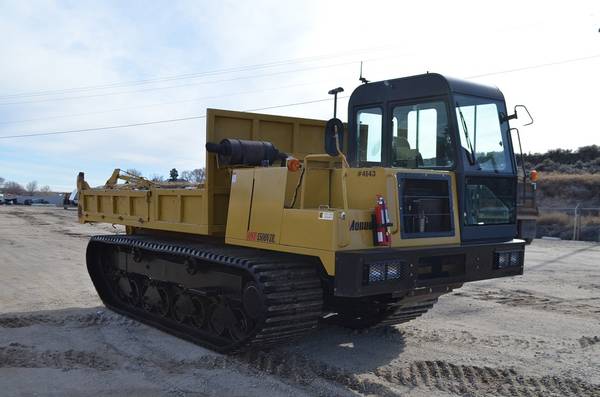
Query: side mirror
x=334, y=129
x=515, y=115
x=334, y=136
x=526, y=111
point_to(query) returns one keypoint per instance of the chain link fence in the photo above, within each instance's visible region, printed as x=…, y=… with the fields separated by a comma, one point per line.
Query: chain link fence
x=578, y=223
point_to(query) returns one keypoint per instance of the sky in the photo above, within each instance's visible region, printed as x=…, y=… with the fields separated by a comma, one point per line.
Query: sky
x=78, y=65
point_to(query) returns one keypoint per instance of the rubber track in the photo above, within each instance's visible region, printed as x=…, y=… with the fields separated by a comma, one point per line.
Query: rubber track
x=408, y=312
x=291, y=286
x=396, y=312
x=411, y=307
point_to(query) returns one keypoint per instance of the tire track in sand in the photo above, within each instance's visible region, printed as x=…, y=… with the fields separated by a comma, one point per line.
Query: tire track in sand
x=476, y=380
x=433, y=375
x=587, y=341
x=523, y=298
x=79, y=320
x=295, y=368
x=16, y=355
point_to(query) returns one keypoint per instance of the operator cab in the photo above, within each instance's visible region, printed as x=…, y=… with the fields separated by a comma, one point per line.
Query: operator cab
x=432, y=122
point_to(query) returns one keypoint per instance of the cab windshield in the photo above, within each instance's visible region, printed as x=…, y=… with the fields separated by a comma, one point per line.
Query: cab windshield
x=483, y=136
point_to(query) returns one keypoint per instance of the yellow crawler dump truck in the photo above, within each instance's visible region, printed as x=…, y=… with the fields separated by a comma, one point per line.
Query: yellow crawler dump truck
x=301, y=221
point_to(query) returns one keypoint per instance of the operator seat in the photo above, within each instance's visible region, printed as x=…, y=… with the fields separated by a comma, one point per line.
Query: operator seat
x=404, y=156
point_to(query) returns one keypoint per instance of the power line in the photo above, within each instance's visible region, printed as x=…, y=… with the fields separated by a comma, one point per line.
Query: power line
x=268, y=89
x=235, y=69
x=542, y=65
x=276, y=106
x=181, y=85
x=101, y=128
x=195, y=75
x=203, y=82
x=286, y=72
x=160, y=103
x=112, y=127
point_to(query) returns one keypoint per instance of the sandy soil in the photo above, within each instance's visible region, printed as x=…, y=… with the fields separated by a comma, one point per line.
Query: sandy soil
x=538, y=334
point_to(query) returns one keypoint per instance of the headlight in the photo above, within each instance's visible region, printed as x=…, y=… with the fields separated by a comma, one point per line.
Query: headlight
x=502, y=259
x=376, y=273
x=393, y=271
x=515, y=258
x=383, y=270
x=508, y=259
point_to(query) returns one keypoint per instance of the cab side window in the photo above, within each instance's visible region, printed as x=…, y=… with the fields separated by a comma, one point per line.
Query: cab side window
x=421, y=137
x=369, y=123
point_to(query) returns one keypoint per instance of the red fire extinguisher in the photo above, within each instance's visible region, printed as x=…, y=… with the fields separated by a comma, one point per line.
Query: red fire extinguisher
x=381, y=224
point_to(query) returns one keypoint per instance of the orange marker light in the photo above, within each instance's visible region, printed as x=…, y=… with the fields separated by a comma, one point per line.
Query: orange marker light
x=293, y=165
x=533, y=175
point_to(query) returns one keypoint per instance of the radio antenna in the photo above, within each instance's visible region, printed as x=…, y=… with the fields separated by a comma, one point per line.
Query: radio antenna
x=361, y=78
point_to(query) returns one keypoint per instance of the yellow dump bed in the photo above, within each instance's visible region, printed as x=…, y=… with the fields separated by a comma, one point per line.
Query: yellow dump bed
x=202, y=209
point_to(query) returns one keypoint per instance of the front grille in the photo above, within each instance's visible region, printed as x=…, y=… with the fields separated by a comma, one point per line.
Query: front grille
x=432, y=267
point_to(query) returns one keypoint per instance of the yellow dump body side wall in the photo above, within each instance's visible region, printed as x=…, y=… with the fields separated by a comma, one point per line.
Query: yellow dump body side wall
x=178, y=210
x=203, y=210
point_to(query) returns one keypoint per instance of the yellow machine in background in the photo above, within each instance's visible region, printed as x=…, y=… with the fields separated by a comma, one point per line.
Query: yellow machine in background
x=401, y=209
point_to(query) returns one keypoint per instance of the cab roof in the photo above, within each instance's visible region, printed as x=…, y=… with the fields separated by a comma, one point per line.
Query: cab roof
x=419, y=86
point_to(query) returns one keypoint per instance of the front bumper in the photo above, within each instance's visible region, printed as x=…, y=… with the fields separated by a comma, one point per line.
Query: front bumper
x=527, y=229
x=415, y=268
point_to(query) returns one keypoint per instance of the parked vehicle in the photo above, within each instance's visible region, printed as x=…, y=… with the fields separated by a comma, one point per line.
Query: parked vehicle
x=9, y=199
x=35, y=201
x=74, y=197
x=362, y=226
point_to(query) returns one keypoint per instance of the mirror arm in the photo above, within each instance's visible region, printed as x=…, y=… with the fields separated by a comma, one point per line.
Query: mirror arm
x=522, y=157
x=505, y=118
x=335, y=93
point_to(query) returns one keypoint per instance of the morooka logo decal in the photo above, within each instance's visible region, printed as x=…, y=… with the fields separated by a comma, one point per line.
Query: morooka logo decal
x=358, y=225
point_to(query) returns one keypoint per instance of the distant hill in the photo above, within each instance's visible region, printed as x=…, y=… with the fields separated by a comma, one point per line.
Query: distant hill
x=567, y=178
x=585, y=160
x=558, y=195
x=559, y=190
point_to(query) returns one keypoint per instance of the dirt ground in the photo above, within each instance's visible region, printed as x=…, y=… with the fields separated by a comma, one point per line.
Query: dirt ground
x=535, y=335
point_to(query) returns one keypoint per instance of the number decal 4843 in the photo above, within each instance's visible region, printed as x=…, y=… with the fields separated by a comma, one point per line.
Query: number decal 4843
x=366, y=173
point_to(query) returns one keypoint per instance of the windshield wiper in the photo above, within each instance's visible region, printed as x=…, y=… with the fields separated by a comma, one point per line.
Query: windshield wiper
x=471, y=155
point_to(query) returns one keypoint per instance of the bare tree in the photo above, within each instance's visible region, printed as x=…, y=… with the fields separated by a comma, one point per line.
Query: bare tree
x=31, y=187
x=1, y=181
x=134, y=172
x=157, y=178
x=186, y=175
x=13, y=188
x=45, y=189
x=195, y=176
